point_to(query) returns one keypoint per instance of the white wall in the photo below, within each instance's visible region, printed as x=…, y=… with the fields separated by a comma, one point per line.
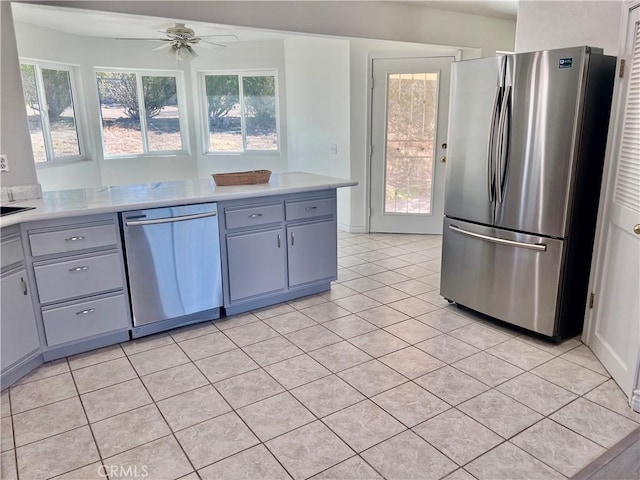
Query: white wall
x=40, y=43
x=402, y=21
x=318, y=110
x=544, y=25
x=246, y=55
x=14, y=134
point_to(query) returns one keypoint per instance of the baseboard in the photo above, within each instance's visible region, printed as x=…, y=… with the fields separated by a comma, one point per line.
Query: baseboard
x=343, y=227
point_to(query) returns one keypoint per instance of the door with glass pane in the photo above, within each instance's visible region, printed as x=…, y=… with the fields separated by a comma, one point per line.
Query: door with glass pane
x=409, y=113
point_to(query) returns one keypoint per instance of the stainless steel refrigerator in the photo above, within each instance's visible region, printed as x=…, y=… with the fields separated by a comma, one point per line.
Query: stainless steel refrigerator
x=527, y=136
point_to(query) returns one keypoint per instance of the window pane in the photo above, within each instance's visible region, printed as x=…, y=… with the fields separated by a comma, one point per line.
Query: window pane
x=161, y=107
x=223, y=109
x=33, y=112
x=260, y=112
x=64, y=135
x=120, y=113
x=411, y=117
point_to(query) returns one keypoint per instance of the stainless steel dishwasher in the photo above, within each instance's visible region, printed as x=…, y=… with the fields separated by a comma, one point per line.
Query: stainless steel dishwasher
x=173, y=265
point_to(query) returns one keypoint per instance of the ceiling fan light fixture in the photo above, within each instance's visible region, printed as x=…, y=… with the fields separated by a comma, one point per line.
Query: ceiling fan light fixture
x=184, y=52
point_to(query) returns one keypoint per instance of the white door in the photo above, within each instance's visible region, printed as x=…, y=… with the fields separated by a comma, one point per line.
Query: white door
x=409, y=114
x=614, y=334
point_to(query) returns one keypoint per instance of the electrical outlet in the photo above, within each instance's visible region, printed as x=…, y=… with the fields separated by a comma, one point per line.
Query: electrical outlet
x=334, y=149
x=4, y=163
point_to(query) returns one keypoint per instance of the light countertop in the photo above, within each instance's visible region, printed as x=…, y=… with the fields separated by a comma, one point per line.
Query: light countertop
x=91, y=201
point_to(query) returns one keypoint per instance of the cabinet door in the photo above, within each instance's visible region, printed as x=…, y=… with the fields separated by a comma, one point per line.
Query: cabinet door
x=256, y=263
x=19, y=335
x=313, y=252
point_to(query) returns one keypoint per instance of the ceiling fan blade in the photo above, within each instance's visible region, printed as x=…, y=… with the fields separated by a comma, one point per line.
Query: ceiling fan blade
x=221, y=35
x=161, y=47
x=202, y=42
x=147, y=39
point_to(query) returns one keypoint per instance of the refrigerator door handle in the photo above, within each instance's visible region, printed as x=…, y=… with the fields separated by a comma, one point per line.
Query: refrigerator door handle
x=502, y=148
x=541, y=247
x=491, y=146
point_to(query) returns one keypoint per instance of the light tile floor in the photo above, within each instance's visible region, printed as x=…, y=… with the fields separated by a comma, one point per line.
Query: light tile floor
x=378, y=378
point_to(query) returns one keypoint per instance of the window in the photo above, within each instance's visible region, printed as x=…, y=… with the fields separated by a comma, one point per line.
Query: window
x=50, y=102
x=141, y=113
x=242, y=113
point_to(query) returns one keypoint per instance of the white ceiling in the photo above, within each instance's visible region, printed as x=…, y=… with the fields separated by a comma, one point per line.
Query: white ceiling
x=114, y=25
x=93, y=23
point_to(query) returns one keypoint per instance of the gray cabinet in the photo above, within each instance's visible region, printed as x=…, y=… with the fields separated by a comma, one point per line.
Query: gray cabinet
x=256, y=263
x=77, y=266
x=277, y=249
x=19, y=333
x=19, y=340
x=312, y=252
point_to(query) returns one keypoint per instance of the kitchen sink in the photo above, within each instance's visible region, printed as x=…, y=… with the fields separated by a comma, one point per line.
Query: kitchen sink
x=5, y=210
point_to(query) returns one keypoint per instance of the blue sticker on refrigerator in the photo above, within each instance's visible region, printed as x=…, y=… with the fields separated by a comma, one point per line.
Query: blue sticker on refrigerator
x=565, y=62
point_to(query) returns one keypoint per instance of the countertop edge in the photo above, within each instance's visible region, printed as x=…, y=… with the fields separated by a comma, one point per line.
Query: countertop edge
x=218, y=195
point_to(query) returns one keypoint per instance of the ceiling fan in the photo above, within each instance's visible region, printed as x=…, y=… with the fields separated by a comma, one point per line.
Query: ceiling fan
x=179, y=41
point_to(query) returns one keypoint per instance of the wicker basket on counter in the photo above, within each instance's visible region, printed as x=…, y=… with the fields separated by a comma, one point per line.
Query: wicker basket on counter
x=251, y=177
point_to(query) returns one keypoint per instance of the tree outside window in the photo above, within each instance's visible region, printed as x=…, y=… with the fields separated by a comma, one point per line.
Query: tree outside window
x=140, y=113
x=49, y=100
x=241, y=112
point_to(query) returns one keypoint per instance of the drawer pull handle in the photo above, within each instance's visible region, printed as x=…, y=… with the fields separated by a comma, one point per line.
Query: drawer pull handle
x=278, y=240
x=74, y=239
x=79, y=269
x=292, y=238
x=255, y=215
x=86, y=312
x=311, y=208
x=24, y=286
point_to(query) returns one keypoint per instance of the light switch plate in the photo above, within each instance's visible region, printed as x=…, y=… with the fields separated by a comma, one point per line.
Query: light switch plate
x=4, y=163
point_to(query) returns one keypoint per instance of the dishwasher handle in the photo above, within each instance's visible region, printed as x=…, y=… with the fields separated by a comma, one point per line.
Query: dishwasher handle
x=155, y=221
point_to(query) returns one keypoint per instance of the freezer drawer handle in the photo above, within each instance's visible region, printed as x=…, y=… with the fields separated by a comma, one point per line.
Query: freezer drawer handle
x=310, y=208
x=79, y=269
x=541, y=247
x=255, y=215
x=74, y=239
x=86, y=312
x=170, y=219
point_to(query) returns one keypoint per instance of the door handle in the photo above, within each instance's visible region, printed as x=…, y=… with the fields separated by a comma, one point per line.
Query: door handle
x=501, y=158
x=278, y=240
x=24, y=286
x=491, y=145
x=636, y=229
x=156, y=221
x=540, y=247
x=292, y=239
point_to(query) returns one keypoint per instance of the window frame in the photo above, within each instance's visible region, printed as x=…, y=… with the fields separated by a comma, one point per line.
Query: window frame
x=182, y=111
x=204, y=117
x=78, y=111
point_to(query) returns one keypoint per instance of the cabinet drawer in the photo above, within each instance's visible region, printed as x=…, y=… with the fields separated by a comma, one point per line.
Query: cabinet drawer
x=78, y=277
x=249, y=216
x=84, y=319
x=11, y=252
x=310, y=208
x=73, y=239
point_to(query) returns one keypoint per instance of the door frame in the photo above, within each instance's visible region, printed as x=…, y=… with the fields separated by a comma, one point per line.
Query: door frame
x=400, y=54
x=608, y=183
